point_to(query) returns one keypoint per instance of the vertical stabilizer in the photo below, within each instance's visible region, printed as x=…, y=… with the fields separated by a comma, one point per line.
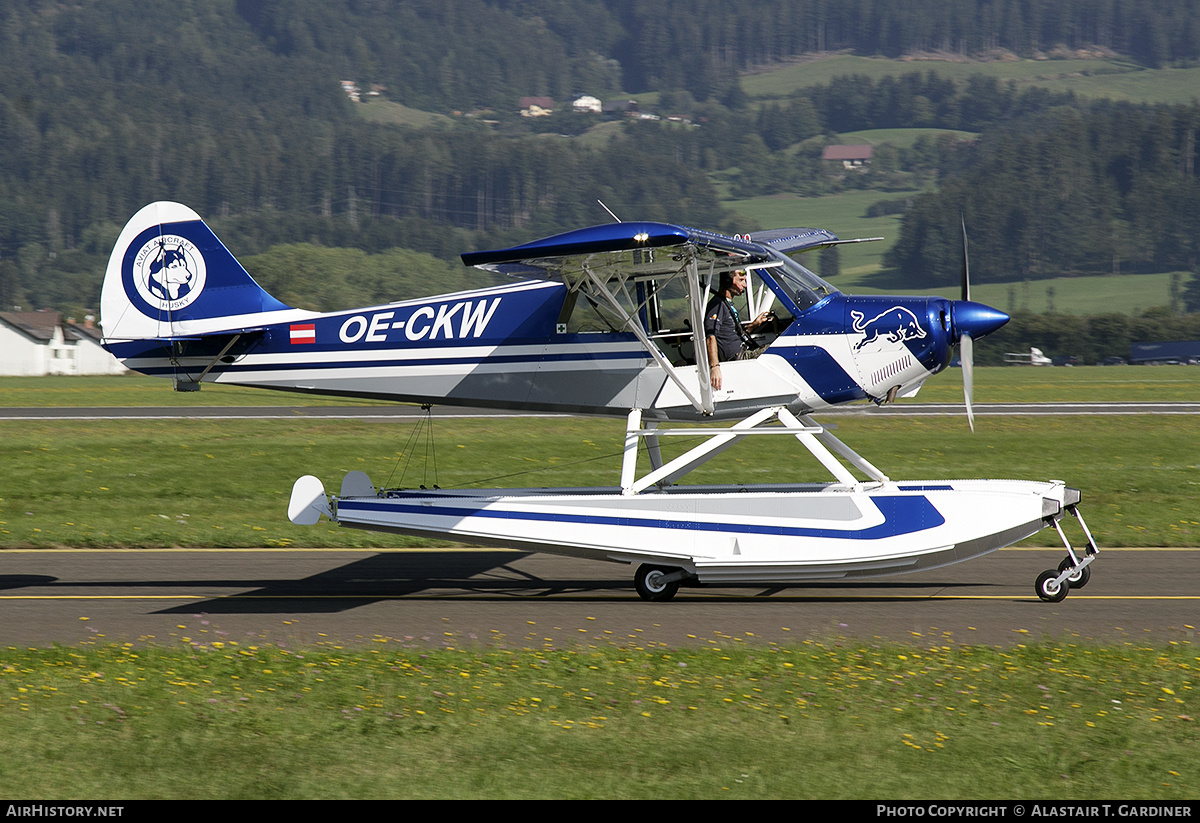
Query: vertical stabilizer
x=169, y=275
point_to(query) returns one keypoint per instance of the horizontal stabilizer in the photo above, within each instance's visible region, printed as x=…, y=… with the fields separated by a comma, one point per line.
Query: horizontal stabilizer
x=308, y=502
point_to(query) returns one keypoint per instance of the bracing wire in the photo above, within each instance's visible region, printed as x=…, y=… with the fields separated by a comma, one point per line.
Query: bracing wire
x=408, y=451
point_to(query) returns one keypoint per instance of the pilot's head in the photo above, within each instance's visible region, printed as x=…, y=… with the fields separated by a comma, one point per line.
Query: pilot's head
x=732, y=283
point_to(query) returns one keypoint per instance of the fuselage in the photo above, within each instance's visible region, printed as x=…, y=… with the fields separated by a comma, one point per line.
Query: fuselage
x=611, y=323
x=503, y=347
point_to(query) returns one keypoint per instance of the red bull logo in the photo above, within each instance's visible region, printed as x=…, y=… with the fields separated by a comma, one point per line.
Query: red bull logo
x=895, y=325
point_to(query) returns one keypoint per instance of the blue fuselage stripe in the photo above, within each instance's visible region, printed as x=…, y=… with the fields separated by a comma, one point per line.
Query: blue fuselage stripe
x=478, y=360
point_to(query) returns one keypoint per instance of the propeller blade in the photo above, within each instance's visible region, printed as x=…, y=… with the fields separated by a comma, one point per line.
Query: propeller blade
x=966, y=346
x=966, y=266
x=966, y=353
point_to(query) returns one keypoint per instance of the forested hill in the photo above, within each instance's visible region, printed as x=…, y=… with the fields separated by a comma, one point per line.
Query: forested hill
x=235, y=108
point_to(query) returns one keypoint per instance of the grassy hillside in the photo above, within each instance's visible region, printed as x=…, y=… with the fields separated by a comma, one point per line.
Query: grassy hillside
x=1114, y=78
x=844, y=214
x=861, y=265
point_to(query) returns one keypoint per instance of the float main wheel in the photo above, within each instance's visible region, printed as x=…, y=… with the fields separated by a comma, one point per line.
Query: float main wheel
x=648, y=580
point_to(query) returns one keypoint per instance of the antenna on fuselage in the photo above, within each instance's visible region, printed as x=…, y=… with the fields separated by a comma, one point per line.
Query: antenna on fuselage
x=610, y=211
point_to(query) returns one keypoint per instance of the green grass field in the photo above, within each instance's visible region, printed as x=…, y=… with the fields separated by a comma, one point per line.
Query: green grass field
x=226, y=483
x=844, y=214
x=135, y=390
x=215, y=717
x=396, y=114
x=196, y=482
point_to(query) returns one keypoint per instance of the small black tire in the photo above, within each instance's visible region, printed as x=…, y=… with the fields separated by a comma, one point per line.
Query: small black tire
x=650, y=585
x=1048, y=590
x=1080, y=578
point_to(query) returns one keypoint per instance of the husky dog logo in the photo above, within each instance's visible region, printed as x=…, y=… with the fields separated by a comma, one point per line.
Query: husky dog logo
x=169, y=272
x=896, y=325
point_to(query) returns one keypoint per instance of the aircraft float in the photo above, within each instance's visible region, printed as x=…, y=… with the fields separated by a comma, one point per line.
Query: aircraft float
x=608, y=320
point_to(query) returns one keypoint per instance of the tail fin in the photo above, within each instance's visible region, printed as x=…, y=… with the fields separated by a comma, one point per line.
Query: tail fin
x=169, y=275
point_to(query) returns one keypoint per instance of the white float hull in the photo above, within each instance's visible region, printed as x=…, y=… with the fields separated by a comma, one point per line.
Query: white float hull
x=734, y=534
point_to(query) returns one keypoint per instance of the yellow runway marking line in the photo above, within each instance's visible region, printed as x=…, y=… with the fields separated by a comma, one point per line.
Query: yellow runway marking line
x=1103, y=550
x=106, y=597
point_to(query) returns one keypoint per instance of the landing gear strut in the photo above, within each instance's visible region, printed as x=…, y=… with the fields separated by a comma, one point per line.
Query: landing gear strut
x=1073, y=572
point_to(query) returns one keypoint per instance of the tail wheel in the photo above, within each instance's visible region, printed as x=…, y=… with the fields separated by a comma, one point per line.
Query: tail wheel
x=1080, y=578
x=1049, y=590
x=650, y=585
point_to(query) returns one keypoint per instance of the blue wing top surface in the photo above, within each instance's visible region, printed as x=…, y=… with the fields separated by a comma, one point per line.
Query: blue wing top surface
x=621, y=237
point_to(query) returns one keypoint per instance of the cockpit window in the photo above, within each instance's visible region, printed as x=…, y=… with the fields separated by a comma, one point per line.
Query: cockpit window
x=803, y=287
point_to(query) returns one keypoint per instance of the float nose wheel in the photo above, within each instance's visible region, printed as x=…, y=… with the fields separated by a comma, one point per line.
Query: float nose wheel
x=1049, y=588
x=1079, y=576
x=1072, y=573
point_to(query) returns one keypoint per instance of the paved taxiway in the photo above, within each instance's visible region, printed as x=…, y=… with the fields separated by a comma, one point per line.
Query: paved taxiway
x=461, y=596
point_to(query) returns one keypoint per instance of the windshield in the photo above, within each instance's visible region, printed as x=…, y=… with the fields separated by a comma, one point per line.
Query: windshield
x=803, y=287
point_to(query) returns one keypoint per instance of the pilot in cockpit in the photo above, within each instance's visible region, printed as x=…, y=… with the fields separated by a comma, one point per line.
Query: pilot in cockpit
x=726, y=337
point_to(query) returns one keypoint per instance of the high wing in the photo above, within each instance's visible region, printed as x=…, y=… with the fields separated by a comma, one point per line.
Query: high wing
x=633, y=270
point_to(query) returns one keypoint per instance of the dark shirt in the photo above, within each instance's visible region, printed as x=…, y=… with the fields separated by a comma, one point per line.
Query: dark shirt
x=721, y=321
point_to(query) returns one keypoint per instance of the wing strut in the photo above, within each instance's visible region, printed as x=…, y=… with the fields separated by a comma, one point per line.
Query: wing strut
x=699, y=345
x=704, y=404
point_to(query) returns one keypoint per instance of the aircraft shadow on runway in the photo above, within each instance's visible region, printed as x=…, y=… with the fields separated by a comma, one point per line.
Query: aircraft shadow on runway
x=389, y=576
x=478, y=575
x=481, y=575
x=25, y=581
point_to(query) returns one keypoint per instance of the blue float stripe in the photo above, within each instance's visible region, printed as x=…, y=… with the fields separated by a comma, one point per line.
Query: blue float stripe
x=902, y=515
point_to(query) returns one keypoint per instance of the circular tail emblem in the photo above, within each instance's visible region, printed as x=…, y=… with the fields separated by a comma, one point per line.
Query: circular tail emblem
x=169, y=272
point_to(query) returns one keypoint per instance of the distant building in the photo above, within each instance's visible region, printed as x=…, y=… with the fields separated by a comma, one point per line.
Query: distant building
x=587, y=103
x=37, y=343
x=851, y=157
x=621, y=108
x=536, y=106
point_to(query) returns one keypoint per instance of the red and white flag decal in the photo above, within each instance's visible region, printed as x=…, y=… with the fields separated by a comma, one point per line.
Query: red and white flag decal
x=304, y=333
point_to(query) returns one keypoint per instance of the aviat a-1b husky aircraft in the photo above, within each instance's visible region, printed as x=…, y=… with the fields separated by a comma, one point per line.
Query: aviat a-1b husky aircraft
x=610, y=320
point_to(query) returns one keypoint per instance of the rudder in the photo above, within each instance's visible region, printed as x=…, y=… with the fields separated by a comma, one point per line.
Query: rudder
x=169, y=275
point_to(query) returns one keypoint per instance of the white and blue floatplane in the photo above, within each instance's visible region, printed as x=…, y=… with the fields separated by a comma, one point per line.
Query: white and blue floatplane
x=610, y=320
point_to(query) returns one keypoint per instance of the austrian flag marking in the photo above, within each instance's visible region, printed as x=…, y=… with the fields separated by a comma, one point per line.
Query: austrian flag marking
x=304, y=333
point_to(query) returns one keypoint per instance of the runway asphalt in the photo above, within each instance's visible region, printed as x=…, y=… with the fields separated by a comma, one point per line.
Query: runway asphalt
x=507, y=598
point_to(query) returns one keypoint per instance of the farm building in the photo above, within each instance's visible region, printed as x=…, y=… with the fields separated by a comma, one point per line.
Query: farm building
x=851, y=157
x=36, y=343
